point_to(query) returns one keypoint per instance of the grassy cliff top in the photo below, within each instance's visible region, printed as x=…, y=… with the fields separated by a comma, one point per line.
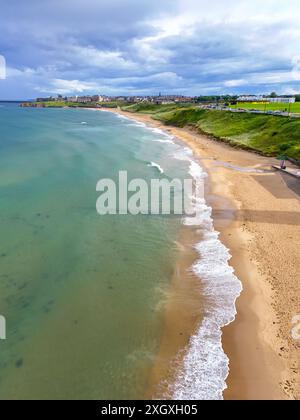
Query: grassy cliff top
x=267, y=134
x=150, y=108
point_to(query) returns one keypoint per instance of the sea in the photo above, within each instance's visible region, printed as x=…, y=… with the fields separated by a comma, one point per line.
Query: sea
x=84, y=296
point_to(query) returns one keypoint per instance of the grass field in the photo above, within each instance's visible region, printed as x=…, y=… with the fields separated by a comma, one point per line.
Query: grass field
x=58, y=104
x=294, y=108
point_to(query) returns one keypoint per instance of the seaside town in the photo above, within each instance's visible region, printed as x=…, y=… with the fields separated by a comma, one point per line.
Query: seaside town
x=273, y=104
x=160, y=99
x=169, y=99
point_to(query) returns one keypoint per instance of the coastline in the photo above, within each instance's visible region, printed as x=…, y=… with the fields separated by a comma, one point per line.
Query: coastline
x=264, y=359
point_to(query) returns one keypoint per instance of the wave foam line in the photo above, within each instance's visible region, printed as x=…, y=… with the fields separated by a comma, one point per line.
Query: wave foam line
x=137, y=123
x=206, y=366
x=167, y=141
x=157, y=166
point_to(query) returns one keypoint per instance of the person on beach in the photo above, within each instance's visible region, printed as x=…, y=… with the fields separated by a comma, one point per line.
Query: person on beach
x=283, y=160
x=282, y=164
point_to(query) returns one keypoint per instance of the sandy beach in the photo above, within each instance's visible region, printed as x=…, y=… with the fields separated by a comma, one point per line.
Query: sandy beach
x=257, y=212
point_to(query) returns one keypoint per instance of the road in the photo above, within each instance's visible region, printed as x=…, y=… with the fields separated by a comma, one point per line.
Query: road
x=251, y=111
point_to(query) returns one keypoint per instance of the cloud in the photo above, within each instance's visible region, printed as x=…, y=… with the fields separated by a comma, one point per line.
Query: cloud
x=235, y=83
x=296, y=67
x=132, y=46
x=64, y=87
x=91, y=56
x=22, y=73
x=2, y=67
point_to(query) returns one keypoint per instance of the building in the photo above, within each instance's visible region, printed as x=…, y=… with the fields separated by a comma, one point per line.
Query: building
x=252, y=98
x=185, y=99
x=266, y=99
x=45, y=99
x=164, y=102
x=84, y=99
x=72, y=99
x=97, y=98
x=282, y=100
x=168, y=99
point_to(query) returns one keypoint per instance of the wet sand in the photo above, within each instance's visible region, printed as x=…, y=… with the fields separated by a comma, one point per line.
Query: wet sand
x=257, y=212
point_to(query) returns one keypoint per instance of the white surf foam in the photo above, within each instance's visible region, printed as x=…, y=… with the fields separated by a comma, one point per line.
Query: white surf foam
x=165, y=137
x=137, y=124
x=184, y=153
x=159, y=131
x=123, y=117
x=157, y=166
x=206, y=366
x=165, y=141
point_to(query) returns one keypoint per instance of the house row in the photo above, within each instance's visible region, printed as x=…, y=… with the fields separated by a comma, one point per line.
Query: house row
x=171, y=99
x=282, y=100
x=254, y=98
x=84, y=99
x=160, y=99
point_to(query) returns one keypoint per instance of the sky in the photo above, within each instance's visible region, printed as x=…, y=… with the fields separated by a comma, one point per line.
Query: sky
x=143, y=47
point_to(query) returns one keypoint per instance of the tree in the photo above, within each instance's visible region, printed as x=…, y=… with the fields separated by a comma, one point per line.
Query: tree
x=273, y=95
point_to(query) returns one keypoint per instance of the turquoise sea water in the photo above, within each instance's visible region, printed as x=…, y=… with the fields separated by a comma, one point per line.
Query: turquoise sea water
x=82, y=294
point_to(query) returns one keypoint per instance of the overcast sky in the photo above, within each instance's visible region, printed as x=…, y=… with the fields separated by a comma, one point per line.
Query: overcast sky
x=123, y=47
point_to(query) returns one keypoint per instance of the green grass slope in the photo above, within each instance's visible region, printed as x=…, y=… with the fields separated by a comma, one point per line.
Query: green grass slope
x=60, y=104
x=267, y=134
x=149, y=108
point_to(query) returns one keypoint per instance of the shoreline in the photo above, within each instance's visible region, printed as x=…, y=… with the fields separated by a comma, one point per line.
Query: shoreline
x=264, y=359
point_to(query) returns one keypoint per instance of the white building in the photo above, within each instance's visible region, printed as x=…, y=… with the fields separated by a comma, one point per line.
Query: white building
x=282, y=100
x=84, y=99
x=253, y=98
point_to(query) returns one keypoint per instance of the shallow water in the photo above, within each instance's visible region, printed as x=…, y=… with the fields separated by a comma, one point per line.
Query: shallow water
x=80, y=292
x=84, y=296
